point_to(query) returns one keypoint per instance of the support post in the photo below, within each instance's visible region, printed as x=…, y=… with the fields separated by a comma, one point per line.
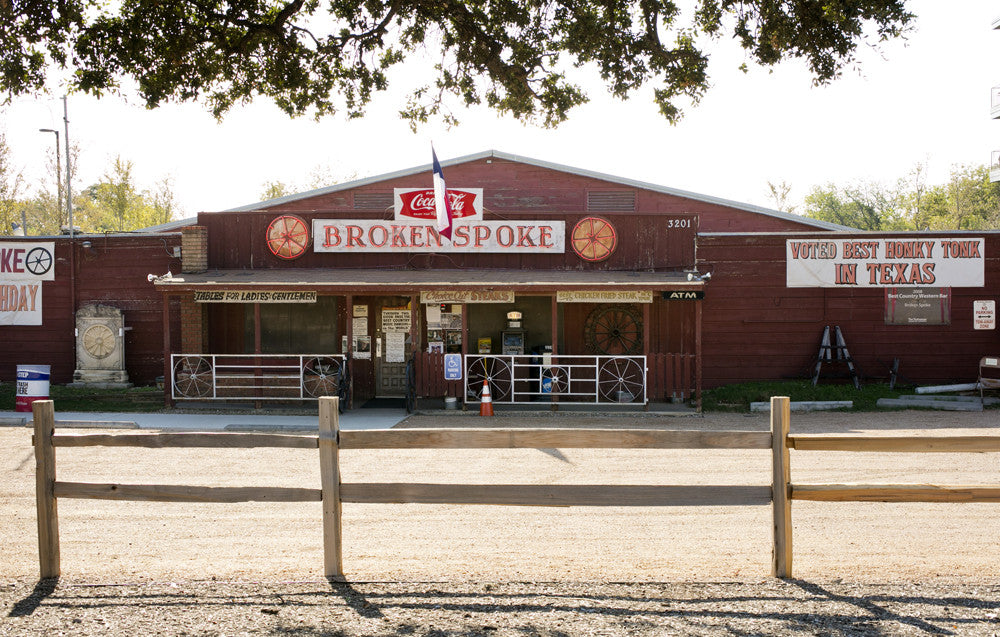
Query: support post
x=45, y=499
x=168, y=372
x=329, y=471
x=781, y=562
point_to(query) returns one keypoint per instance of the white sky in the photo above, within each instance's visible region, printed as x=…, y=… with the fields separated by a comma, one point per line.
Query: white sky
x=927, y=99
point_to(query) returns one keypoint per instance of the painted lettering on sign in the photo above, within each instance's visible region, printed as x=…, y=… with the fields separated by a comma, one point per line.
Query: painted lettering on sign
x=885, y=263
x=21, y=304
x=356, y=235
x=254, y=296
x=467, y=296
x=418, y=203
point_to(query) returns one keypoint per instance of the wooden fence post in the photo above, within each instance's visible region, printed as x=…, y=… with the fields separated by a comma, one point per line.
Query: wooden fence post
x=781, y=562
x=45, y=499
x=329, y=471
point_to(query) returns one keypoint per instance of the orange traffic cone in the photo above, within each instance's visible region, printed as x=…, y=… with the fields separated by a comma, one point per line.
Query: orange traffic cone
x=486, y=401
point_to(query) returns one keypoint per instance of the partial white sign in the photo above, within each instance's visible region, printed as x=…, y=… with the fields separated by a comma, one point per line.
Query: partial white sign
x=22, y=261
x=20, y=303
x=23, y=267
x=879, y=263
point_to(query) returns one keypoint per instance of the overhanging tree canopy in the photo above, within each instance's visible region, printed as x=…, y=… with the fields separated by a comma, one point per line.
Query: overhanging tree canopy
x=331, y=56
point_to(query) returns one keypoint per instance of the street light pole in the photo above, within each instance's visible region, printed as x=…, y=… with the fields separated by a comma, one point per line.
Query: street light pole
x=69, y=173
x=58, y=170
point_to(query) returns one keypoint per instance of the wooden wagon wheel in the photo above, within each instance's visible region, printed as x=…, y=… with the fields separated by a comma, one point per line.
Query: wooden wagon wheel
x=288, y=237
x=615, y=330
x=593, y=239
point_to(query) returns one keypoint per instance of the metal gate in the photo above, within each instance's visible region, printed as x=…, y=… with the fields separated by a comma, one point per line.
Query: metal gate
x=567, y=379
x=258, y=377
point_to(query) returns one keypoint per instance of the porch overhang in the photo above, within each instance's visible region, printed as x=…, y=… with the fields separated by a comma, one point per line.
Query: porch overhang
x=393, y=281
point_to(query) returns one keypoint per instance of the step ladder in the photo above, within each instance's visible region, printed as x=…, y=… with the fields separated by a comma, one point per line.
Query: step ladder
x=835, y=352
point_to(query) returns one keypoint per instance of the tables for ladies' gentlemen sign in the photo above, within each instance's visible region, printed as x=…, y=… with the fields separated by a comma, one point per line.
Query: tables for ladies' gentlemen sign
x=253, y=296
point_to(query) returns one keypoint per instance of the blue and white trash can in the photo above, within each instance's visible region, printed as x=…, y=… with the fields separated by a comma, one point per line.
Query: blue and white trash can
x=32, y=385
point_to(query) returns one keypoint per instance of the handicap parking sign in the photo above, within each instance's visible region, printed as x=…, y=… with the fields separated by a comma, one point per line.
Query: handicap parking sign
x=453, y=367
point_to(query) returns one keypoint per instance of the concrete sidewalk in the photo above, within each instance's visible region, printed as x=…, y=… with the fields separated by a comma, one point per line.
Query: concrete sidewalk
x=357, y=419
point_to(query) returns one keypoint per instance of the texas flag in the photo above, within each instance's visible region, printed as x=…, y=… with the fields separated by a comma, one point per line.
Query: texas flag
x=442, y=205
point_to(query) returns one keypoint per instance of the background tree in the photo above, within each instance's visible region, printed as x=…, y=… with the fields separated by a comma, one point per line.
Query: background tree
x=162, y=201
x=275, y=189
x=968, y=201
x=865, y=206
x=11, y=187
x=512, y=55
x=779, y=194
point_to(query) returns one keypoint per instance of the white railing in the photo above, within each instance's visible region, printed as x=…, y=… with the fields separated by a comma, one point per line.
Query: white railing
x=257, y=377
x=568, y=379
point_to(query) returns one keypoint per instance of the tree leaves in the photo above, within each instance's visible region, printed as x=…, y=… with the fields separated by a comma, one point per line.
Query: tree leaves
x=334, y=56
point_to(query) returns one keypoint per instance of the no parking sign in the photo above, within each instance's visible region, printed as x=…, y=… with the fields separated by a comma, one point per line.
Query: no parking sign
x=453, y=367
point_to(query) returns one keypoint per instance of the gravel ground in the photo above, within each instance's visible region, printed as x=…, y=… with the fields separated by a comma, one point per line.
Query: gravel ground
x=167, y=569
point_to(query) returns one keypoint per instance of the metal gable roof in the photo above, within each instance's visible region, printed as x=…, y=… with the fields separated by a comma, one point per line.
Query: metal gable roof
x=495, y=154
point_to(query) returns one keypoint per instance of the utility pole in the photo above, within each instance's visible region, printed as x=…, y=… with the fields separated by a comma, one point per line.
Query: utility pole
x=58, y=171
x=69, y=172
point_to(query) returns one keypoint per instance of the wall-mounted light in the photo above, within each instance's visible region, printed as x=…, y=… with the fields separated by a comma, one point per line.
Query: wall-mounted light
x=87, y=245
x=694, y=276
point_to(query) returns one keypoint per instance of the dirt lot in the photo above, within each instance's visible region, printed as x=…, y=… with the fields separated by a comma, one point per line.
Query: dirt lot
x=447, y=570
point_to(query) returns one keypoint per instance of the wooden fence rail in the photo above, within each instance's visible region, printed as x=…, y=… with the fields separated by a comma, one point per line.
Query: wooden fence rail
x=332, y=493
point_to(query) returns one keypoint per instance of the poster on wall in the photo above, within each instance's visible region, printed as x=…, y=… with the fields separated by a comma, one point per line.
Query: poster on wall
x=395, y=320
x=918, y=306
x=395, y=347
x=23, y=268
x=363, y=347
x=884, y=262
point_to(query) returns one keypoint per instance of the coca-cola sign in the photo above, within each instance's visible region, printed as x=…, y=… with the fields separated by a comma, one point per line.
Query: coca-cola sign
x=418, y=203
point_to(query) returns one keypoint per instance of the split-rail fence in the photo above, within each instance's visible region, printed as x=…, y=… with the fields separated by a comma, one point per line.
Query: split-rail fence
x=333, y=493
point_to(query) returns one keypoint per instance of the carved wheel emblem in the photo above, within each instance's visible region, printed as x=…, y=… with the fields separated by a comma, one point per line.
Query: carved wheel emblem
x=288, y=237
x=99, y=341
x=594, y=239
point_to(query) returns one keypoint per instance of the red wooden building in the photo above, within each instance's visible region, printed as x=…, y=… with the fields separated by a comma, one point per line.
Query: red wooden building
x=558, y=284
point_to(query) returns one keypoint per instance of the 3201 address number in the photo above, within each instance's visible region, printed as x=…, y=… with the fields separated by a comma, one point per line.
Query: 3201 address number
x=678, y=223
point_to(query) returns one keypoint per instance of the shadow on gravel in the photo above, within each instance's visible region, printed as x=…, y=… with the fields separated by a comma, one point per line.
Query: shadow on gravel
x=43, y=589
x=765, y=607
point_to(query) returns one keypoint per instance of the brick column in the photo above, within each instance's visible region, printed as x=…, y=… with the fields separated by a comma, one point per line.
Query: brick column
x=194, y=249
x=192, y=326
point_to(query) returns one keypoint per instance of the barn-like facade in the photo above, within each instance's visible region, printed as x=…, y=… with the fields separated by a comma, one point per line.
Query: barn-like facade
x=558, y=285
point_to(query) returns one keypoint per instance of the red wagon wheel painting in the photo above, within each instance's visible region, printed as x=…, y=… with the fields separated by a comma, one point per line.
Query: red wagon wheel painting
x=594, y=239
x=614, y=329
x=288, y=237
